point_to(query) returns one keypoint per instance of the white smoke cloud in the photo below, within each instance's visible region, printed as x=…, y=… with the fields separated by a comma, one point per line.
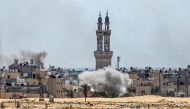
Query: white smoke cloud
x=107, y=80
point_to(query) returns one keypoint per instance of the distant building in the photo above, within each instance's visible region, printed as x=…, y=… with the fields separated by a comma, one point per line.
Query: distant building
x=103, y=54
x=55, y=86
x=24, y=68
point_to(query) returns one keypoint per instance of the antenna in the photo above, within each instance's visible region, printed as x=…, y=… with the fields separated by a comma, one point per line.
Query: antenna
x=118, y=61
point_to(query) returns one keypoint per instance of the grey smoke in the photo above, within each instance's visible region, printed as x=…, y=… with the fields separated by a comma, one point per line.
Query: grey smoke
x=0, y=54
x=39, y=25
x=37, y=57
x=107, y=80
x=3, y=59
x=24, y=56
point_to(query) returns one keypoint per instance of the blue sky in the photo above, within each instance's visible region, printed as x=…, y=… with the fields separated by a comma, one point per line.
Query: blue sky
x=144, y=32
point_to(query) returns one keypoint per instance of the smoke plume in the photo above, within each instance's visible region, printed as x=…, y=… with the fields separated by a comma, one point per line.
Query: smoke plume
x=3, y=60
x=24, y=56
x=107, y=80
x=37, y=57
x=0, y=54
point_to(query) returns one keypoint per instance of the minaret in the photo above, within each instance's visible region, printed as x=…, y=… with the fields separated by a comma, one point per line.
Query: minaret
x=107, y=34
x=103, y=54
x=99, y=34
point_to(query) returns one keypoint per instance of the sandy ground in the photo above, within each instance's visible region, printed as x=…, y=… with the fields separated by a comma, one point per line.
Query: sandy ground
x=139, y=102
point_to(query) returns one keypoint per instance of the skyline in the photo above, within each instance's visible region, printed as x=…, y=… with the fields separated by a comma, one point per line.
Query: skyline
x=144, y=32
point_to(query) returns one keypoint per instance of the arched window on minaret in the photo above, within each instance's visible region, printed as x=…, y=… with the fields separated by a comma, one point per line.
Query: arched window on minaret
x=99, y=46
x=106, y=46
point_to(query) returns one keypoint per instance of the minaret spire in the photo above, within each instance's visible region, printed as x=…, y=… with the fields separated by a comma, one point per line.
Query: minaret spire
x=107, y=21
x=107, y=13
x=99, y=21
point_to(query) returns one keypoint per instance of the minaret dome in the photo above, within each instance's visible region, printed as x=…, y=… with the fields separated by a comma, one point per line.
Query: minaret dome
x=107, y=17
x=100, y=18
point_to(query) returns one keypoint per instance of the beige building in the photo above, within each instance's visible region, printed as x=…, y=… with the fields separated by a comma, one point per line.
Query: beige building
x=144, y=83
x=10, y=74
x=37, y=78
x=142, y=87
x=55, y=87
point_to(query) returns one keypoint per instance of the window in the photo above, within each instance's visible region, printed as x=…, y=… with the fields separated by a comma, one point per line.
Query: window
x=181, y=83
x=8, y=76
x=34, y=76
x=142, y=92
x=75, y=90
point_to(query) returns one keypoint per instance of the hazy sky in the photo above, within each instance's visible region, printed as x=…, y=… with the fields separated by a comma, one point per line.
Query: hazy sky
x=144, y=32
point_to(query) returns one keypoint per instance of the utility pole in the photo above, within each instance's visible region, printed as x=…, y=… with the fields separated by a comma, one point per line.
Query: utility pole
x=159, y=81
x=187, y=84
x=41, y=87
x=27, y=89
x=178, y=79
x=64, y=87
x=78, y=87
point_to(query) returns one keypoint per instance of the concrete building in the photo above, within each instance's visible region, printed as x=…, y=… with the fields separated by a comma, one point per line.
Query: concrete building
x=18, y=88
x=55, y=86
x=103, y=54
x=164, y=82
x=10, y=74
x=25, y=67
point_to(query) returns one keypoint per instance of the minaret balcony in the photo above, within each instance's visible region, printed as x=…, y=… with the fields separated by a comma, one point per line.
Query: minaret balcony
x=103, y=54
